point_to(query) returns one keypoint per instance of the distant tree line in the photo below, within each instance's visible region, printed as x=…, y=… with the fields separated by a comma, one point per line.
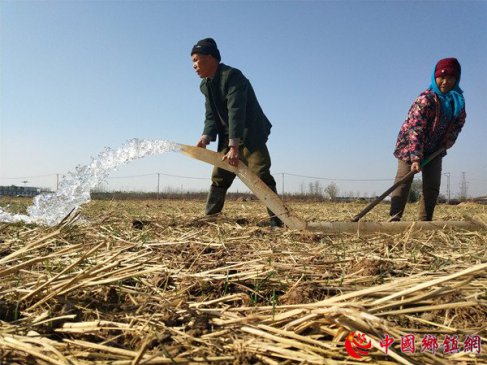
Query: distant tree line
x=312, y=192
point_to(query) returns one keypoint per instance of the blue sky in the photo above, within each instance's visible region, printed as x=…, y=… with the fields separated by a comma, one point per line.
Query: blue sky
x=336, y=79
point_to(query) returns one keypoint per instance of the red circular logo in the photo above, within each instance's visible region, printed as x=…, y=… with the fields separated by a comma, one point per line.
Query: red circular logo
x=356, y=345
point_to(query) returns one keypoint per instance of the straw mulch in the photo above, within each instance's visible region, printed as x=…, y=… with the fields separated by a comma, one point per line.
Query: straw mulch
x=149, y=282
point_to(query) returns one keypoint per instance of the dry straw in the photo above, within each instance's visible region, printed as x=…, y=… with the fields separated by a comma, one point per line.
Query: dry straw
x=179, y=289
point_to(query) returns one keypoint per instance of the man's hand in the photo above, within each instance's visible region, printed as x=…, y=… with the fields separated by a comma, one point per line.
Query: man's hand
x=232, y=156
x=202, y=142
x=416, y=167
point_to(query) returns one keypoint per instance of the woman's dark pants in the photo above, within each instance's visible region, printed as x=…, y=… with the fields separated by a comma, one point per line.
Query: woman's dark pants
x=431, y=174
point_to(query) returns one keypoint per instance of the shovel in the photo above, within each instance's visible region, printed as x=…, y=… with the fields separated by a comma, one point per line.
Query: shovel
x=369, y=207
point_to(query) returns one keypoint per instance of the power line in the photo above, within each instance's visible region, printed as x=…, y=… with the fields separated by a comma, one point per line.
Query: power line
x=26, y=177
x=131, y=176
x=332, y=179
x=185, y=177
x=204, y=178
x=157, y=174
x=110, y=177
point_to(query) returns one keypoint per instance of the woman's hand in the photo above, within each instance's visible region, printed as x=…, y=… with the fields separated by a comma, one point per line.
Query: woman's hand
x=232, y=156
x=416, y=167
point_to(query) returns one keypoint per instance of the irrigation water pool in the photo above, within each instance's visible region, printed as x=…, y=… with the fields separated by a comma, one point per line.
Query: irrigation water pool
x=74, y=188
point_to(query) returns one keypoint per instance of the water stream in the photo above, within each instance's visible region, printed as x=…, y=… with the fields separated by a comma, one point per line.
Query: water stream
x=74, y=188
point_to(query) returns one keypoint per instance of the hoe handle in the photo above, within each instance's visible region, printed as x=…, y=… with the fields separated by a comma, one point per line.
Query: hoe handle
x=369, y=207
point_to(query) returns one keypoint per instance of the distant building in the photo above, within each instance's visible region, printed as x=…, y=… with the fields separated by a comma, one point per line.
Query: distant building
x=480, y=200
x=13, y=190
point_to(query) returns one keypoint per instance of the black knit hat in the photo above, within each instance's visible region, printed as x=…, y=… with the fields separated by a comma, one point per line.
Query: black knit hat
x=207, y=46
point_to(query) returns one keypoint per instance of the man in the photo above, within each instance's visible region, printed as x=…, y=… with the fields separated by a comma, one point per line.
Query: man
x=235, y=116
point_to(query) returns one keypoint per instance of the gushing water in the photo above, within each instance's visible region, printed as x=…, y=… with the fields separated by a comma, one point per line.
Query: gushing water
x=74, y=188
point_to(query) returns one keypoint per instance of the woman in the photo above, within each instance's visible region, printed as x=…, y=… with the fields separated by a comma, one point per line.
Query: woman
x=434, y=121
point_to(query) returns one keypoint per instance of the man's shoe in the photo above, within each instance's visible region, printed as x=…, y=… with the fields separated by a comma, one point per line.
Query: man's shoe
x=275, y=222
x=215, y=200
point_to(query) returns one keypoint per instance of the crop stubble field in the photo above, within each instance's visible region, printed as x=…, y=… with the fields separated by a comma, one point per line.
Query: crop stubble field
x=152, y=282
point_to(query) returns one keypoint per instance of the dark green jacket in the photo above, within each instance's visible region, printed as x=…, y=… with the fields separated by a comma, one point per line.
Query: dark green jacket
x=232, y=109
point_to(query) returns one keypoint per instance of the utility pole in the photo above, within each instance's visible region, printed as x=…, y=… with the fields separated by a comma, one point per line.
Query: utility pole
x=448, y=196
x=282, y=185
x=463, y=188
x=158, y=181
x=57, y=182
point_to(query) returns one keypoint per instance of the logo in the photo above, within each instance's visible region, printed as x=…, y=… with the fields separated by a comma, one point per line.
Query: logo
x=357, y=345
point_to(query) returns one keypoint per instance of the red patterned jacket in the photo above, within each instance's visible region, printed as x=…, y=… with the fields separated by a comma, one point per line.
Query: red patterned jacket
x=426, y=129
